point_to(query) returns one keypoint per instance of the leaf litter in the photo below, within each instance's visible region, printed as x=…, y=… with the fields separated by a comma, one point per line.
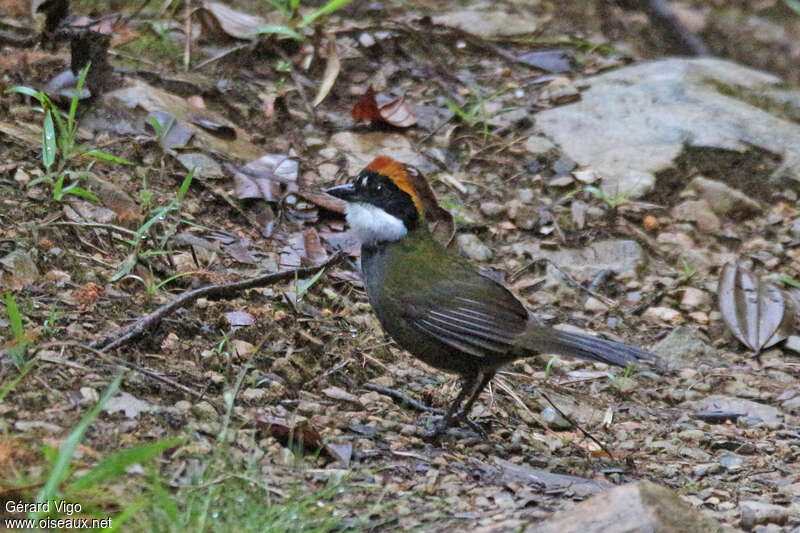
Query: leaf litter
x=310, y=357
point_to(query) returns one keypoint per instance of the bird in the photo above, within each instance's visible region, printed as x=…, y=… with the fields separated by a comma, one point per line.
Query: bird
x=434, y=303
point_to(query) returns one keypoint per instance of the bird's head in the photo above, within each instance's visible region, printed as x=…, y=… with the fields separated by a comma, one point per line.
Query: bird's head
x=386, y=200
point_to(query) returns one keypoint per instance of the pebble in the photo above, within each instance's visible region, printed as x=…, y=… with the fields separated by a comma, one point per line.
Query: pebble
x=254, y=395
x=663, y=314
x=594, y=305
x=472, y=247
x=693, y=298
x=492, y=209
x=755, y=513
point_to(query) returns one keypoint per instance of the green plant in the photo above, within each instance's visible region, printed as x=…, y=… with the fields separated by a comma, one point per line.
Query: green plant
x=302, y=288
x=158, y=215
x=20, y=340
x=289, y=9
x=794, y=5
x=790, y=281
x=60, y=146
x=620, y=382
x=611, y=201
x=687, y=270
x=474, y=112
x=549, y=367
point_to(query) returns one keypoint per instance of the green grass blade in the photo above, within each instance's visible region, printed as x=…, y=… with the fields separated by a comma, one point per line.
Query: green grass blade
x=278, y=29
x=327, y=9
x=49, y=143
x=303, y=288
x=9, y=386
x=14, y=317
x=61, y=468
x=105, y=156
x=114, y=464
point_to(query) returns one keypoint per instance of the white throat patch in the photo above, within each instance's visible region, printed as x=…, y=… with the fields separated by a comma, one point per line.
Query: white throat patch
x=372, y=224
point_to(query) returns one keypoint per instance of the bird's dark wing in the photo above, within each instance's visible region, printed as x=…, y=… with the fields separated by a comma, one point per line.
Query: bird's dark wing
x=468, y=312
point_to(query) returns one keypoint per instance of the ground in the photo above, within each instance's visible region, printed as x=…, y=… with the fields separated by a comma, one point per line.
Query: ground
x=208, y=397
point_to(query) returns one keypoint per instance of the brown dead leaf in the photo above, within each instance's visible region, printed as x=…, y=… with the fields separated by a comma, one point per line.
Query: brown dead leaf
x=332, y=69
x=87, y=296
x=379, y=108
x=757, y=313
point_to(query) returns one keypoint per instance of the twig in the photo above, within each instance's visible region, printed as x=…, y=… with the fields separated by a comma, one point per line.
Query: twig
x=187, y=30
x=404, y=399
x=571, y=281
x=122, y=362
x=220, y=55
x=127, y=334
x=575, y=425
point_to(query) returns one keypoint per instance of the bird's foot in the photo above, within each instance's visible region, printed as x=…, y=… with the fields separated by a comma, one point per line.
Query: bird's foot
x=441, y=427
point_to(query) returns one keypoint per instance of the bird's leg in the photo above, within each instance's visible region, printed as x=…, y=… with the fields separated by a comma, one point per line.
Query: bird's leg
x=482, y=380
x=471, y=387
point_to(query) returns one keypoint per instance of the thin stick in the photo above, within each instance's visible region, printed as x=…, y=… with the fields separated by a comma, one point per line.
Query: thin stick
x=576, y=426
x=403, y=398
x=122, y=362
x=129, y=333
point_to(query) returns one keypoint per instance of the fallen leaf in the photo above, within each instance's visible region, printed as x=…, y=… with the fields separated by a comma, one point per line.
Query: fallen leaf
x=379, y=108
x=757, y=313
x=332, y=69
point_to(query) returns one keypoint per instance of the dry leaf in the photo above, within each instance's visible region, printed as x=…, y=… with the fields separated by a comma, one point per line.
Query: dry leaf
x=756, y=312
x=332, y=69
x=379, y=108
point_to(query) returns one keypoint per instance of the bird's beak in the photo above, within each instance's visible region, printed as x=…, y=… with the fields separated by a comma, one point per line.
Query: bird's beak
x=346, y=192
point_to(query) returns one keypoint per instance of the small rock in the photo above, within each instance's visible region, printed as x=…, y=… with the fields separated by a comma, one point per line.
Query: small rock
x=795, y=229
x=755, y=513
x=21, y=177
x=242, y=348
x=285, y=457
x=793, y=343
x=472, y=247
x=663, y=314
x=725, y=200
x=699, y=212
x=681, y=345
x=254, y=395
x=492, y=209
x=680, y=240
x=594, y=305
x=204, y=166
x=642, y=506
x=20, y=265
x=128, y=403
x=89, y=396
x=336, y=393
x=284, y=368
x=718, y=402
x=538, y=145
x=524, y=216
x=731, y=461
x=693, y=298
x=308, y=408
x=554, y=419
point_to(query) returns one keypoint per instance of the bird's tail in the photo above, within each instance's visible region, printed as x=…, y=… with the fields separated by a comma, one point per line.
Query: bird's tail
x=548, y=340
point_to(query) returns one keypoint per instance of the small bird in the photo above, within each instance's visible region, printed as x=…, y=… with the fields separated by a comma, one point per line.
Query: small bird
x=436, y=305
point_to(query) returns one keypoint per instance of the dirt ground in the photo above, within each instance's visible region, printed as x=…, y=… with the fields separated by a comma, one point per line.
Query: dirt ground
x=298, y=352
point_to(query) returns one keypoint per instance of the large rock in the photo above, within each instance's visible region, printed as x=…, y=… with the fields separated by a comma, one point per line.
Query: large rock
x=633, y=122
x=641, y=506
